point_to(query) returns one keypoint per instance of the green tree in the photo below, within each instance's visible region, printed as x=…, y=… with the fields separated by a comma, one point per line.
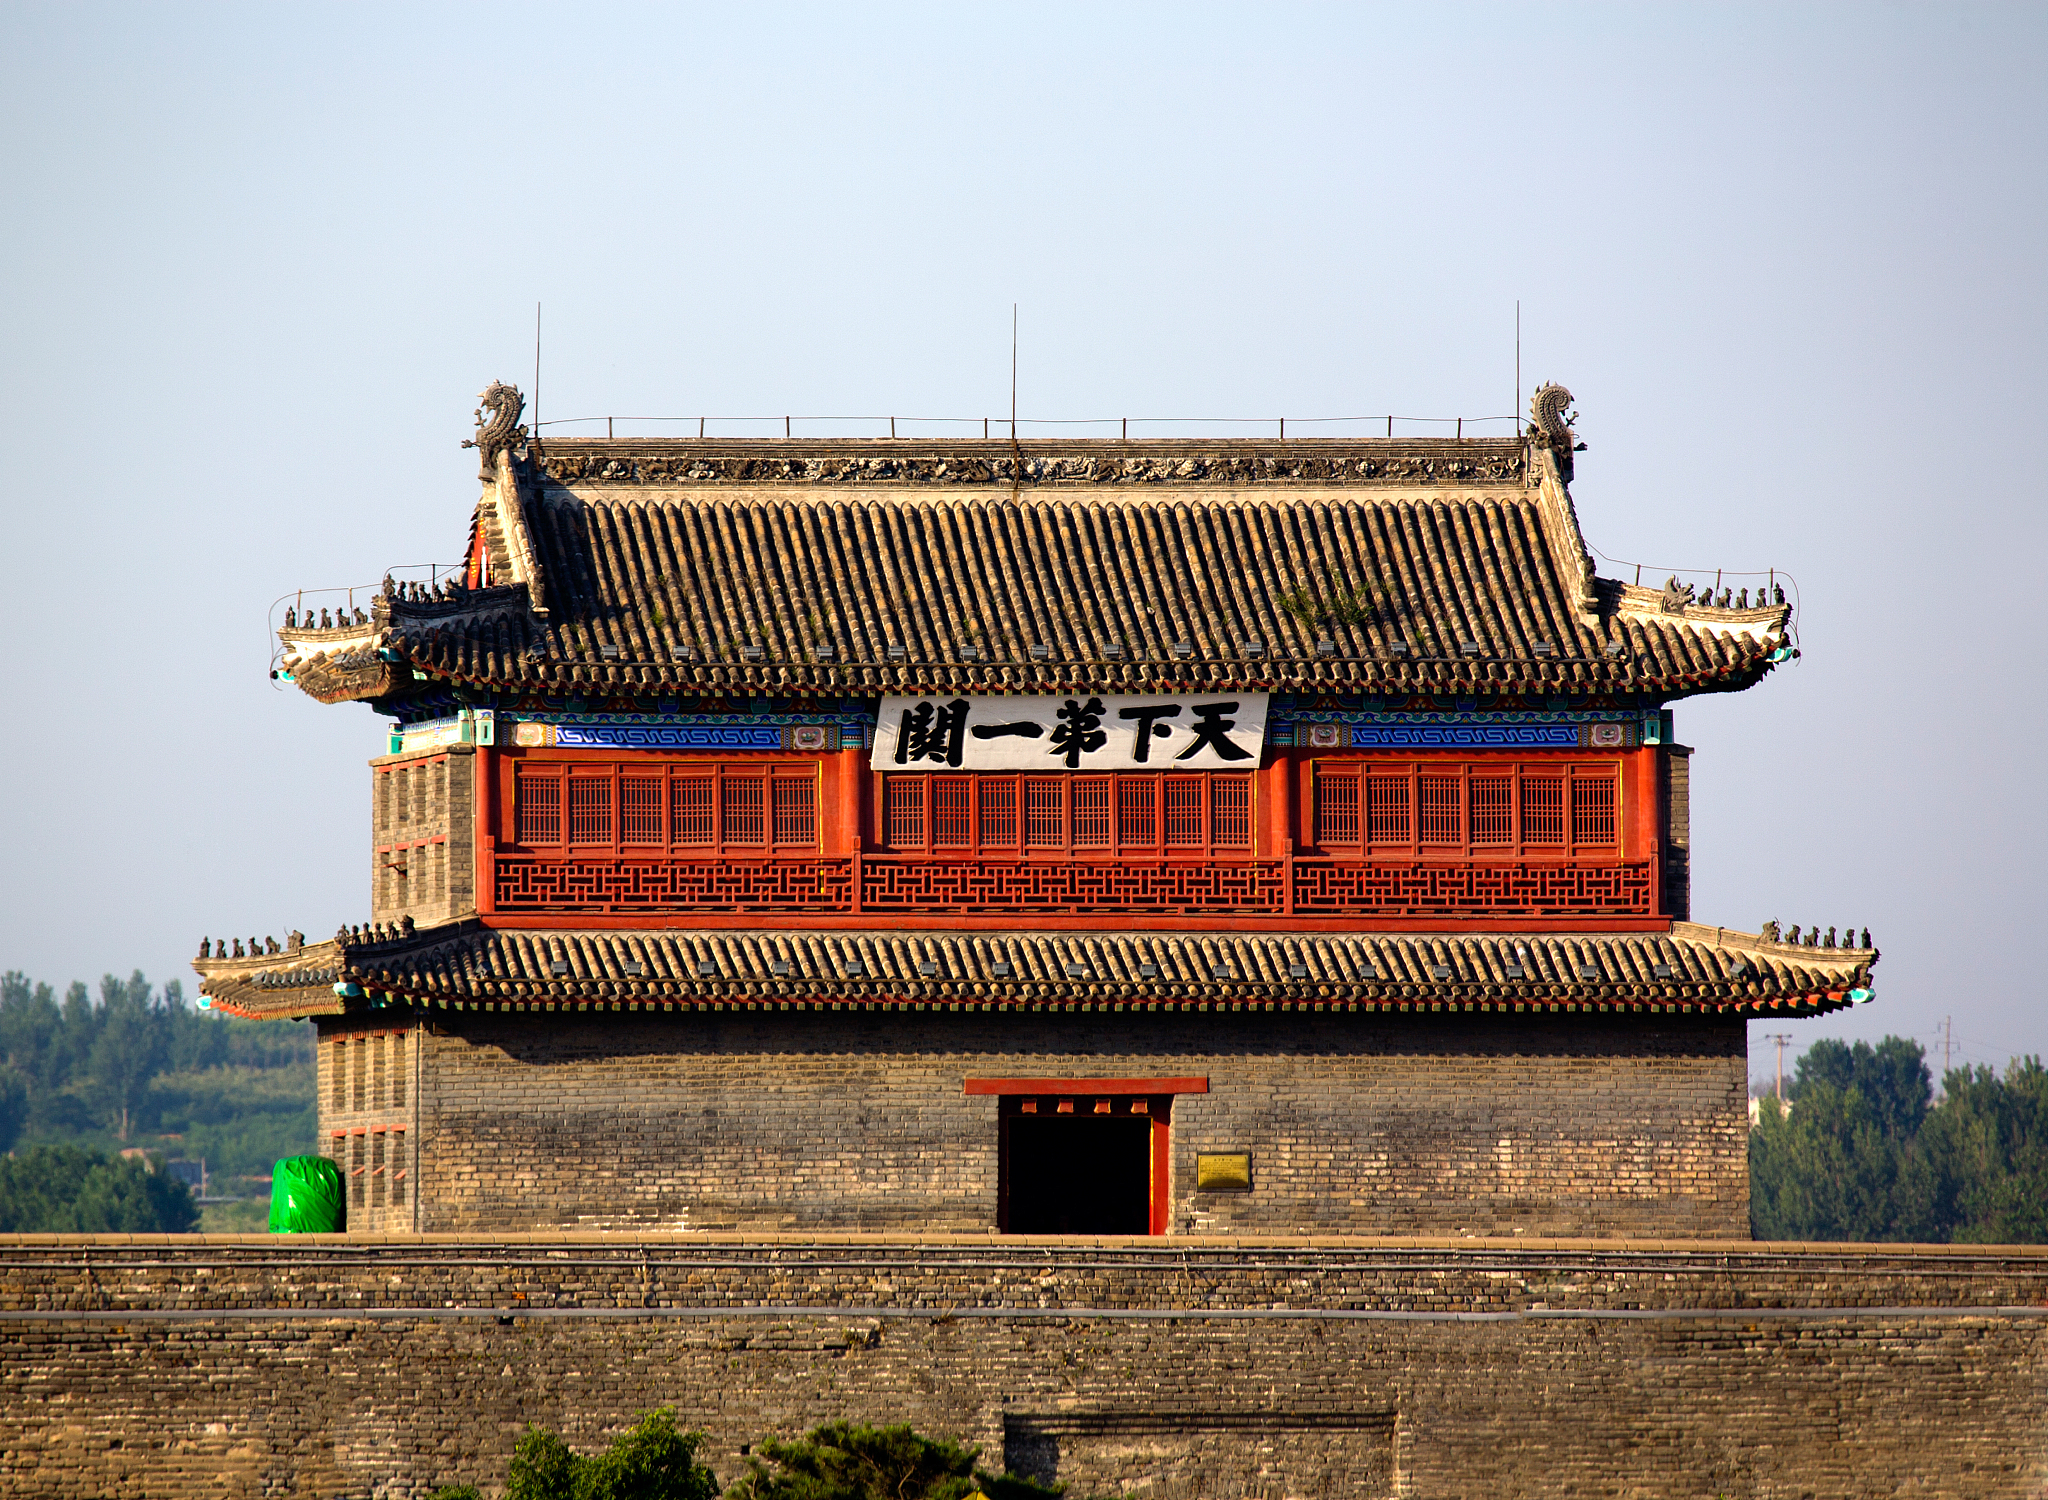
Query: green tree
x=30, y=1024
x=138, y=1063
x=128, y=1049
x=1983, y=1155
x=1865, y=1153
x=1838, y=1165
x=842, y=1461
x=76, y=1190
x=14, y=1095
x=543, y=1468
x=653, y=1461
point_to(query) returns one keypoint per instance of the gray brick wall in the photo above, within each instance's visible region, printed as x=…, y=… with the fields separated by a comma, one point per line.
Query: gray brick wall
x=266, y=1366
x=369, y=1117
x=1594, y=1125
x=1676, y=776
x=423, y=835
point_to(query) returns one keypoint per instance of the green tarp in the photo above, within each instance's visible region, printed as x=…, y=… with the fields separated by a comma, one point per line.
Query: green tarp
x=306, y=1197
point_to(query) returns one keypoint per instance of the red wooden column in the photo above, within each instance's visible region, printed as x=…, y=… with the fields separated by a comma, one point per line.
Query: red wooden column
x=484, y=863
x=1276, y=835
x=1162, y=1166
x=1641, y=810
x=854, y=780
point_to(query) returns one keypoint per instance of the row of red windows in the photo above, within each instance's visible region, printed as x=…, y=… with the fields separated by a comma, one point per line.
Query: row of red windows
x=1408, y=805
x=1133, y=812
x=1362, y=805
x=703, y=808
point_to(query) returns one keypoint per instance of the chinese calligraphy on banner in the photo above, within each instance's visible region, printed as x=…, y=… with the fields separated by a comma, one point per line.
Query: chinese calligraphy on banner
x=1086, y=732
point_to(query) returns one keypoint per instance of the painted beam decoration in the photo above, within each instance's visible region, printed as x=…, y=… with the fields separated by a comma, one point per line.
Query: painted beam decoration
x=1088, y=732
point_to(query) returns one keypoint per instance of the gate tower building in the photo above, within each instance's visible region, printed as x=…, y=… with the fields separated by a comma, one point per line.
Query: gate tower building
x=1056, y=837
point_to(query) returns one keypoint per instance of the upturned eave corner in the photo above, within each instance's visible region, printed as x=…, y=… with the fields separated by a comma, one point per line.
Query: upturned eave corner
x=1844, y=969
x=1614, y=608
x=289, y=982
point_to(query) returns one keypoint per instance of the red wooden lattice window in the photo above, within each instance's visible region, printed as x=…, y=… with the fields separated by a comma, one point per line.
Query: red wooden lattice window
x=1413, y=808
x=1543, y=809
x=640, y=819
x=1131, y=813
x=689, y=810
x=590, y=810
x=540, y=810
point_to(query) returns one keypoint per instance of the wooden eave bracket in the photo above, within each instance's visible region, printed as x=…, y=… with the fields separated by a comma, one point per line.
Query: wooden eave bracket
x=360, y=684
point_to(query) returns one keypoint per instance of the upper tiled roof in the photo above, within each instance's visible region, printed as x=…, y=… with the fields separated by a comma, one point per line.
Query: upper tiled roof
x=1691, y=969
x=786, y=568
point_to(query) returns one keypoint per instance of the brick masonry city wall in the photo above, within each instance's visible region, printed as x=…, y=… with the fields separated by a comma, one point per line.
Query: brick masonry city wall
x=423, y=835
x=858, y=1120
x=350, y=1368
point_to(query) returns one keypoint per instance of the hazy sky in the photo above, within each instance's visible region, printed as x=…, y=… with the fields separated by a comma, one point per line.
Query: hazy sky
x=258, y=262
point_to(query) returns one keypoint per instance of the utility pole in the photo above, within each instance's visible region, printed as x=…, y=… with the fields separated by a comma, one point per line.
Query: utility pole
x=1783, y=1039
x=1948, y=1047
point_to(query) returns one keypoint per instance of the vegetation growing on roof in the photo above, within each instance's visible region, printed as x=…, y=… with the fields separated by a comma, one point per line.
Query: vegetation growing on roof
x=1350, y=606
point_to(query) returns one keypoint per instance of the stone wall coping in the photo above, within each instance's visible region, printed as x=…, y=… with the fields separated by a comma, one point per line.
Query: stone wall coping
x=1169, y=1245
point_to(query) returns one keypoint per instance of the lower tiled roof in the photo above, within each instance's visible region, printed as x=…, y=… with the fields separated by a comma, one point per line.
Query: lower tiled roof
x=467, y=965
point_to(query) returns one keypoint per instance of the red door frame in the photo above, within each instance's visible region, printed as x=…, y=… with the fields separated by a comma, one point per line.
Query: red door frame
x=1158, y=1093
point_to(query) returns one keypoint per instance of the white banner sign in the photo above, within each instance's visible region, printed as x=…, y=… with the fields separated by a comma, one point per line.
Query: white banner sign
x=1084, y=733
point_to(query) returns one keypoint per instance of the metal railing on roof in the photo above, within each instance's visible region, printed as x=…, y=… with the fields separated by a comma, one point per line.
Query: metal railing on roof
x=342, y=599
x=1709, y=584
x=1007, y=428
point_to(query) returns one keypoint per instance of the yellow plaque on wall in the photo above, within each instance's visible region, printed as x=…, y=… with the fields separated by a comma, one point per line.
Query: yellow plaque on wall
x=1223, y=1171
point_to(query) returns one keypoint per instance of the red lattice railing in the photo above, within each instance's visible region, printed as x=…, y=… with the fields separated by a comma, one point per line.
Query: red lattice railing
x=1426, y=888
x=900, y=887
x=969, y=887
x=795, y=885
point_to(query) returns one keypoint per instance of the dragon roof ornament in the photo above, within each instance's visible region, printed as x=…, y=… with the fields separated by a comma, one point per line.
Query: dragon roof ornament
x=501, y=431
x=1552, y=426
